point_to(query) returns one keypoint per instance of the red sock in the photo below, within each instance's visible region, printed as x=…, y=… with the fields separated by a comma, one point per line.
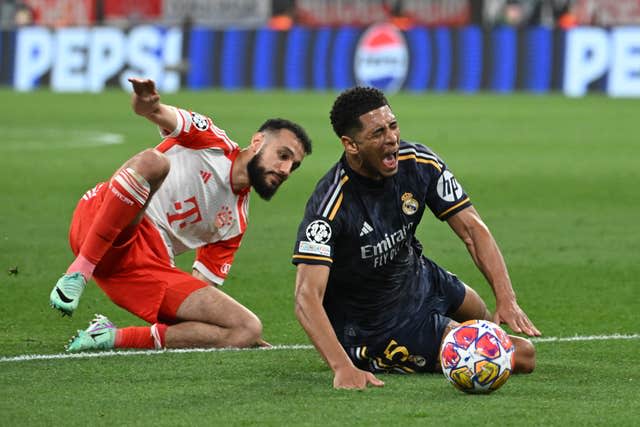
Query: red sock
x=127, y=193
x=141, y=336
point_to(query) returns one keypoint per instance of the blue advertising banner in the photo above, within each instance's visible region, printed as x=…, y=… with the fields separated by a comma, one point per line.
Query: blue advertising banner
x=467, y=59
x=504, y=65
x=537, y=45
x=7, y=48
x=443, y=59
x=296, y=59
x=200, y=75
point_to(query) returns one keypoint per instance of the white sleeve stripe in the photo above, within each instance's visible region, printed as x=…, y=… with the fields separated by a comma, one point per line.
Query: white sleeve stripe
x=179, y=122
x=428, y=157
x=207, y=273
x=220, y=132
x=186, y=119
x=242, y=211
x=326, y=211
x=418, y=154
x=223, y=135
x=332, y=199
x=245, y=206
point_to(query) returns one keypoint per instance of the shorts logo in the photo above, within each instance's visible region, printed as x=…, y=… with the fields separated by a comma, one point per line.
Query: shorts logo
x=318, y=231
x=409, y=204
x=199, y=121
x=417, y=360
x=448, y=188
x=224, y=269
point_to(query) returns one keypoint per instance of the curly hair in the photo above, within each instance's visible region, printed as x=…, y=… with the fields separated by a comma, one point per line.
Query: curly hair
x=350, y=105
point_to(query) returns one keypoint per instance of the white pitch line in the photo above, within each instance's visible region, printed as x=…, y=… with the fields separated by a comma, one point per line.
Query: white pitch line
x=20, y=139
x=587, y=338
x=30, y=357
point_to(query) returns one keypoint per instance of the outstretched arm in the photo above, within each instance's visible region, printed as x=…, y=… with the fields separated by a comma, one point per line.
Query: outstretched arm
x=145, y=102
x=311, y=282
x=484, y=250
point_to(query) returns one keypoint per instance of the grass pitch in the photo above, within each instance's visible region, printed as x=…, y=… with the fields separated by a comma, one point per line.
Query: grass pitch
x=555, y=179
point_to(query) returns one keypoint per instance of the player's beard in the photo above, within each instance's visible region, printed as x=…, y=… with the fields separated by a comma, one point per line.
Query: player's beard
x=258, y=178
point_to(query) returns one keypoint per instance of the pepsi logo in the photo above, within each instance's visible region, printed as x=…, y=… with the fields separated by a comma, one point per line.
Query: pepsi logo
x=382, y=58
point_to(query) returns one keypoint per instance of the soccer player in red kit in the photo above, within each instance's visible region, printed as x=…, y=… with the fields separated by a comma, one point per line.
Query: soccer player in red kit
x=190, y=192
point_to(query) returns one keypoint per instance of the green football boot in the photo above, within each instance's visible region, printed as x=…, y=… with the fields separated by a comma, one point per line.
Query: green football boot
x=100, y=335
x=66, y=293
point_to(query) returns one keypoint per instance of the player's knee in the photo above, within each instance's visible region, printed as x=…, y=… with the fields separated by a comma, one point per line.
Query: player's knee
x=247, y=333
x=525, y=356
x=153, y=165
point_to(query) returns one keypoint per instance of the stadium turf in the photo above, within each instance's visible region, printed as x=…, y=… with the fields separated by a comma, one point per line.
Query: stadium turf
x=555, y=179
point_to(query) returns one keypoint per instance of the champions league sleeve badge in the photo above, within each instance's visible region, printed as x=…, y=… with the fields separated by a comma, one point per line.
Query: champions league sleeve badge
x=318, y=231
x=199, y=121
x=409, y=204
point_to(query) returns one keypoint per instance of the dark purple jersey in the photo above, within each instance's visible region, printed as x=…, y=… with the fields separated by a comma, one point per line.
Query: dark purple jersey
x=364, y=230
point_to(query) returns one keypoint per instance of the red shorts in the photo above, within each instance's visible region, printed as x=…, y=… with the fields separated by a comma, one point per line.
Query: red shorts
x=136, y=274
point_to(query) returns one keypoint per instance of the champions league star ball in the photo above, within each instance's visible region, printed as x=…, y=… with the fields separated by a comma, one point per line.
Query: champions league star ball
x=477, y=357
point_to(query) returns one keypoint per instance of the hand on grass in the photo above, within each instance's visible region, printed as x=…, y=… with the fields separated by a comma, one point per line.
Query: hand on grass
x=353, y=378
x=515, y=318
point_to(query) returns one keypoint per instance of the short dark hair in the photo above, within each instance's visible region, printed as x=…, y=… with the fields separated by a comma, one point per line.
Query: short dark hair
x=351, y=104
x=296, y=129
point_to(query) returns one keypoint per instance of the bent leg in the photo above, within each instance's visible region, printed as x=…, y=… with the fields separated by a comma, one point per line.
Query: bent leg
x=184, y=310
x=472, y=307
x=210, y=318
x=122, y=206
x=525, y=355
x=117, y=207
x=206, y=317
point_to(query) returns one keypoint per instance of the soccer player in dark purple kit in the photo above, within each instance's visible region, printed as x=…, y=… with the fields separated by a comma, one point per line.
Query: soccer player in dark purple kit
x=366, y=296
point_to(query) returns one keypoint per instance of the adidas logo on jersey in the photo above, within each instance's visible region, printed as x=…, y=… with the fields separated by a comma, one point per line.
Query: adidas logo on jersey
x=366, y=229
x=205, y=176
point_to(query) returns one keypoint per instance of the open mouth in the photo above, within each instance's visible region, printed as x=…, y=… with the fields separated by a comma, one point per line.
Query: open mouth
x=390, y=161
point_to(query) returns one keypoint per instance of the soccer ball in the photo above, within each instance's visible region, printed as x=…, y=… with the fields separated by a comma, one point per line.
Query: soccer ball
x=477, y=356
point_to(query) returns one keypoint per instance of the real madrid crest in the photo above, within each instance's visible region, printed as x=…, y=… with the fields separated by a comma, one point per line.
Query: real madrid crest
x=409, y=204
